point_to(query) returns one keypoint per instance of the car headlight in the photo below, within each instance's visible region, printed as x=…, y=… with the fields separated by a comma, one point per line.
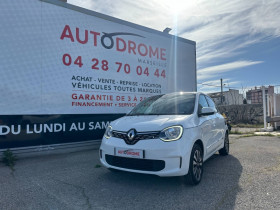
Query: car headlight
x=171, y=133
x=108, y=132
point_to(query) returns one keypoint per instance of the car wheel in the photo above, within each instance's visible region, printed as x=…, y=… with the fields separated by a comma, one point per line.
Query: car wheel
x=196, y=166
x=225, y=150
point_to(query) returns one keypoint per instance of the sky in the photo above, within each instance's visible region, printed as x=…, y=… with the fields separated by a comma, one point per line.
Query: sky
x=238, y=41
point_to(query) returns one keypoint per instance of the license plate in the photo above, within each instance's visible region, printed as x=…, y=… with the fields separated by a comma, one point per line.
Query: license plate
x=132, y=153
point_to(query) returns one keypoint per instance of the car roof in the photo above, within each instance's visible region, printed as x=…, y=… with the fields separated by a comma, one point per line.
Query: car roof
x=183, y=92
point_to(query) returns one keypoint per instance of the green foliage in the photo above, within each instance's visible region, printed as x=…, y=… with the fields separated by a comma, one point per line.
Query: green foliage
x=242, y=125
x=9, y=159
x=235, y=132
x=97, y=166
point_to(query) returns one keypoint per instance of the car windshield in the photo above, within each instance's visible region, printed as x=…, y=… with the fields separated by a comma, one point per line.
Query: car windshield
x=170, y=104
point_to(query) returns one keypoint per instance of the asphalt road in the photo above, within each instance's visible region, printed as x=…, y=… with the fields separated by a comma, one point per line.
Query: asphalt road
x=249, y=178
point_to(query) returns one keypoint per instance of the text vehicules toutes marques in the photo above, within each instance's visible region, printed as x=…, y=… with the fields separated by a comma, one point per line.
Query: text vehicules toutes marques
x=166, y=135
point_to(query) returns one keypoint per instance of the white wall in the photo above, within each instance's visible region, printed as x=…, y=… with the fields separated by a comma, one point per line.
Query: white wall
x=277, y=108
x=232, y=97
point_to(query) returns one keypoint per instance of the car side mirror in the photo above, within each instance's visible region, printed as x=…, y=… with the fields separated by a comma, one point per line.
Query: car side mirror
x=207, y=111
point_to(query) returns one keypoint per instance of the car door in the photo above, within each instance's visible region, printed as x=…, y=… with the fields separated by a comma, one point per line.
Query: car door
x=206, y=124
x=218, y=126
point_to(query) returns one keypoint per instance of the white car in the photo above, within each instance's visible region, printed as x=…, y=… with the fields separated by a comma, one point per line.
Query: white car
x=166, y=135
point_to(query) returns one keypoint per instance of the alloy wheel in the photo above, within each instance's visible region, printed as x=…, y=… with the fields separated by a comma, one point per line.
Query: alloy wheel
x=227, y=143
x=197, y=164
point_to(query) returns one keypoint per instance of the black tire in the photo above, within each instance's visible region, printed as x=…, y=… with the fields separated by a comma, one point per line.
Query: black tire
x=196, y=166
x=225, y=150
x=229, y=127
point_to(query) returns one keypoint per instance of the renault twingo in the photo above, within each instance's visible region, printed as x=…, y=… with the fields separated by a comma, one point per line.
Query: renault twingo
x=166, y=135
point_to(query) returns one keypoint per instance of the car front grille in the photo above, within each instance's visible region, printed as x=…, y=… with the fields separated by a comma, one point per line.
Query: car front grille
x=135, y=164
x=139, y=136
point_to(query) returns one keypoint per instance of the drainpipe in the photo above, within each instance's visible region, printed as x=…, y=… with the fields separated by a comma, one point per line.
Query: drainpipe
x=264, y=108
x=274, y=109
x=221, y=91
x=268, y=108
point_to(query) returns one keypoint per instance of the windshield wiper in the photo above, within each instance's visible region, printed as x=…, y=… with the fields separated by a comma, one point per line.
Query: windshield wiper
x=135, y=114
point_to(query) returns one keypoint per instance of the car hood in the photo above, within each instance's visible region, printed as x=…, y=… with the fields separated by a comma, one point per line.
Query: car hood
x=152, y=122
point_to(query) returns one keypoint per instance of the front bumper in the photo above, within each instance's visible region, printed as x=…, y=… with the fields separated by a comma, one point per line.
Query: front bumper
x=161, y=158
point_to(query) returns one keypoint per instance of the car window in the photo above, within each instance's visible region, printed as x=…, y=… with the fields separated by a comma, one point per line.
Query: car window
x=169, y=104
x=210, y=102
x=202, y=103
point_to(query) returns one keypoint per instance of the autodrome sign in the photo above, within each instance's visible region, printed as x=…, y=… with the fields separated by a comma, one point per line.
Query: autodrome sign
x=66, y=72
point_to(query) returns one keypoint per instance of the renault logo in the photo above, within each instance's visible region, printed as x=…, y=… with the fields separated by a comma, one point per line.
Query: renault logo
x=131, y=134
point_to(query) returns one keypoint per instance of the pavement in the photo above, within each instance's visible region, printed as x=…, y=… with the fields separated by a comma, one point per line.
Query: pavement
x=244, y=130
x=255, y=131
x=270, y=133
x=248, y=178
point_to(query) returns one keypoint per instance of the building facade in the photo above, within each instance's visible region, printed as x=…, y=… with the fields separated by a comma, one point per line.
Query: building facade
x=230, y=97
x=254, y=96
